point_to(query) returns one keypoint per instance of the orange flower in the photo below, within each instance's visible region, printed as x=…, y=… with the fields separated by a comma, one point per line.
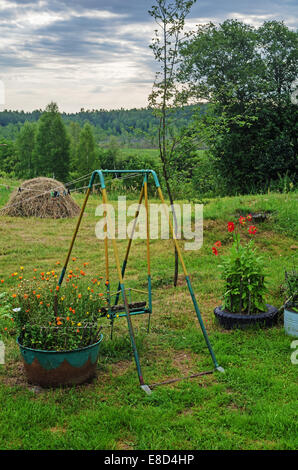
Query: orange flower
x=101, y=294
x=25, y=296
x=73, y=310
x=57, y=288
x=42, y=274
x=74, y=259
x=82, y=273
x=2, y=280
x=34, y=292
x=70, y=272
x=40, y=303
x=14, y=295
x=70, y=309
x=38, y=296
x=80, y=296
x=67, y=318
x=59, y=323
x=35, y=270
x=78, y=331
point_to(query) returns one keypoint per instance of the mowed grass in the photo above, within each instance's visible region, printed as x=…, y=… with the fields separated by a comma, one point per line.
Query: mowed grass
x=252, y=406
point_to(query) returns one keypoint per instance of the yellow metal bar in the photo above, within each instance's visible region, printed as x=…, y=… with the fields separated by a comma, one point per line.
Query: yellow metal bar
x=147, y=225
x=173, y=233
x=106, y=244
x=77, y=228
x=134, y=224
x=115, y=248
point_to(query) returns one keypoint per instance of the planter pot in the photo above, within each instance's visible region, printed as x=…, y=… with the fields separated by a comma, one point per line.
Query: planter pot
x=53, y=368
x=291, y=322
x=235, y=320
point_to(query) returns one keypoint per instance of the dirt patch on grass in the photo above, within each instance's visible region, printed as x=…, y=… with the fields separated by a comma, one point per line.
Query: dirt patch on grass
x=58, y=430
x=14, y=375
x=115, y=369
x=124, y=444
x=184, y=362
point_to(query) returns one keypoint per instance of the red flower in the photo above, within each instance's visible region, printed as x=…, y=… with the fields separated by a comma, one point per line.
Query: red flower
x=249, y=217
x=242, y=220
x=252, y=230
x=217, y=244
x=214, y=251
x=231, y=226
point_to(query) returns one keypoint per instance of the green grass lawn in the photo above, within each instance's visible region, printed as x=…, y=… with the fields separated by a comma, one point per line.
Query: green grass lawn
x=252, y=406
x=129, y=152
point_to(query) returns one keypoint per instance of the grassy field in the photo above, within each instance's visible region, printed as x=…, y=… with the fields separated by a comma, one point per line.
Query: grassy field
x=252, y=406
x=128, y=152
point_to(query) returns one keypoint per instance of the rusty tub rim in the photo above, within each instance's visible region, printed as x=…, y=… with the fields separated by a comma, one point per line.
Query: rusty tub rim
x=63, y=351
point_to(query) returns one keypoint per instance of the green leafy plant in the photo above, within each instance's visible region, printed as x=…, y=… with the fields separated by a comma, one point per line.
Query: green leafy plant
x=243, y=272
x=48, y=317
x=291, y=287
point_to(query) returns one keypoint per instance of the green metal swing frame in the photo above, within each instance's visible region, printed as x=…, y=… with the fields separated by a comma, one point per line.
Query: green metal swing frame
x=127, y=311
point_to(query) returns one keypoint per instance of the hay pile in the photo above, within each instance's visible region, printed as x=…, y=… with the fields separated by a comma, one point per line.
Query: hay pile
x=41, y=197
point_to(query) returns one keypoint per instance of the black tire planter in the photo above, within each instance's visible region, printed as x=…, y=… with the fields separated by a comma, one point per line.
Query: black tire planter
x=235, y=320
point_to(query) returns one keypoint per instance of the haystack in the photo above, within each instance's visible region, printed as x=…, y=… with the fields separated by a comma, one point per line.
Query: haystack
x=41, y=197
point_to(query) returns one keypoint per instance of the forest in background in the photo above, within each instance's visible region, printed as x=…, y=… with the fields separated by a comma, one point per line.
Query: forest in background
x=243, y=141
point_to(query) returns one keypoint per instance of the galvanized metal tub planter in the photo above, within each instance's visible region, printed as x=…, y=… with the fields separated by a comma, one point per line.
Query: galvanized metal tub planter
x=291, y=322
x=60, y=368
x=230, y=320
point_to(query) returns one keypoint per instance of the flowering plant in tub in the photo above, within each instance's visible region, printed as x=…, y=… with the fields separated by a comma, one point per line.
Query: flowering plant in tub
x=58, y=328
x=242, y=270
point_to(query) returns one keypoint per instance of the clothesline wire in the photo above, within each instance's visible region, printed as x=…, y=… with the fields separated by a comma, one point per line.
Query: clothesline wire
x=71, y=182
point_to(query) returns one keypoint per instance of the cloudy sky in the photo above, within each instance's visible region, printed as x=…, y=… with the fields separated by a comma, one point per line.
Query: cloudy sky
x=94, y=53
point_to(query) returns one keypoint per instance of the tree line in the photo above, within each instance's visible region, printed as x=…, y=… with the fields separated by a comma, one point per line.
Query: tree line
x=227, y=88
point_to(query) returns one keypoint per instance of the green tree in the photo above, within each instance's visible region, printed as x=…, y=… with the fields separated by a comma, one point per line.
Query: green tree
x=8, y=158
x=166, y=96
x=246, y=74
x=86, y=150
x=52, y=145
x=108, y=156
x=74, y=131
x=25, y=146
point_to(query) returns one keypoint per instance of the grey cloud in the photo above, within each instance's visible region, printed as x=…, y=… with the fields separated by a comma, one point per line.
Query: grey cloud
x=77, y=38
